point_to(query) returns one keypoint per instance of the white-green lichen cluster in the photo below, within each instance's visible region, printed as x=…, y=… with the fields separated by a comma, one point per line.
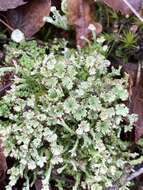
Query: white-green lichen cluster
x=63, y=117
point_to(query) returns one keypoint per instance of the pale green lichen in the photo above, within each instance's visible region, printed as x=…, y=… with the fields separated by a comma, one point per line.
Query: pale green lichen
x=63, y=119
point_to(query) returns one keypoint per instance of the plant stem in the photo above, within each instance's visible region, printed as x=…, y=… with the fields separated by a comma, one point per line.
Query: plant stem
x=77, y=182
x=62, y=122
x=73, y=151
x=49, y=173
x=136, y=161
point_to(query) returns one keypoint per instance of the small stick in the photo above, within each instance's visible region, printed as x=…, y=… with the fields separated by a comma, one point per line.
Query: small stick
x=7, y=25
x=129, y=178
x=3, y=89
x=133, y=10
x=138, y=77
x=135, y=174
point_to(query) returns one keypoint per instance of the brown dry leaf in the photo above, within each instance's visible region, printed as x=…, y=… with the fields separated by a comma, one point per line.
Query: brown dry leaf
x=3, y=164
x=38, y=184
x=80, y=16
x=29, y=18
x=10, y=4
x=135, y=103
x=119, y=5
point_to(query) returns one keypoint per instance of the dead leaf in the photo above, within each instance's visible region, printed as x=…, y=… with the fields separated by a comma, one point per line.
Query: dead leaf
x=80, y=16
x=10, y=4
x=29, y=18
x=135, y=103
x=38, y=184
x=3, y=164
x=119, y=5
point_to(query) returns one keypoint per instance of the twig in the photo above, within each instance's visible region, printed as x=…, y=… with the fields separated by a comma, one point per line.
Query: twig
x=133, y=10
x=126, y=179
x=138, y=77
x=135, y=174
x=3, y=89
x=7, y=25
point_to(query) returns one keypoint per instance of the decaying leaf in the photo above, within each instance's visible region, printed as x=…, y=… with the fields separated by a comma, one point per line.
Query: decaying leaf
x=80, y=16
x=3, y=165
x=10, y=4
x=135, y=103
x=119, y=5
x=38, y=184
x=29, y=18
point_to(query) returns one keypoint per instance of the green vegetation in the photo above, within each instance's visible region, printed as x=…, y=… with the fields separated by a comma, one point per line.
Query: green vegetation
x=63, y=116
x=64, y=120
